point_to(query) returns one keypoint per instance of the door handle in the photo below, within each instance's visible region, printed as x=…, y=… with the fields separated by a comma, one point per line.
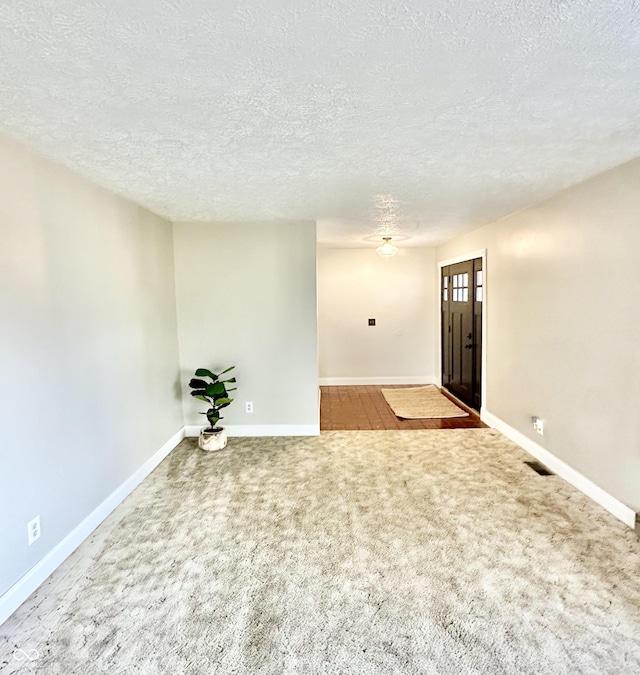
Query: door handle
x=472, y=346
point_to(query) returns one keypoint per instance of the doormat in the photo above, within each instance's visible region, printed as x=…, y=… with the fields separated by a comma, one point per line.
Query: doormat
x=416, y=403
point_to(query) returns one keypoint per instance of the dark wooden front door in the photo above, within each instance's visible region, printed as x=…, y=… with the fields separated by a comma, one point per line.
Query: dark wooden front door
x=462, y=297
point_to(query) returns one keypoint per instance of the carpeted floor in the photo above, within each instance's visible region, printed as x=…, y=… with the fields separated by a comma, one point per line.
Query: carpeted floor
x=355, y=552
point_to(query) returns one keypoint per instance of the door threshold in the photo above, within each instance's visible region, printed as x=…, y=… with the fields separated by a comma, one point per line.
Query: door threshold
x=461, y=404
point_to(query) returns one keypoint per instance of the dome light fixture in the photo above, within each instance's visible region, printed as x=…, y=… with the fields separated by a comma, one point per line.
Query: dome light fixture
x=387, y=250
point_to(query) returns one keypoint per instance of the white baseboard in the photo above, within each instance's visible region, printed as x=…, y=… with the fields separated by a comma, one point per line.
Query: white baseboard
x=256, y=430
x=27, y=584
x=562, y=469
x=399, y=379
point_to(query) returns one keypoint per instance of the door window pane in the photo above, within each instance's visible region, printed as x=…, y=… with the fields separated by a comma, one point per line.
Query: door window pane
x=460, y=287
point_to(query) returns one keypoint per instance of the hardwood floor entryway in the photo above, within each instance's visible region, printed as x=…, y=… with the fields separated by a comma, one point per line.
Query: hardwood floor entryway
x=352, y=408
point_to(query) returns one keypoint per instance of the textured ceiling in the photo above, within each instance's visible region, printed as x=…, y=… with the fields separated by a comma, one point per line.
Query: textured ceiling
x=416, y=119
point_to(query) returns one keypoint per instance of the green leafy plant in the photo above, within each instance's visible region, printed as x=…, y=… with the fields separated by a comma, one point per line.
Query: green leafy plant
x=215, y=393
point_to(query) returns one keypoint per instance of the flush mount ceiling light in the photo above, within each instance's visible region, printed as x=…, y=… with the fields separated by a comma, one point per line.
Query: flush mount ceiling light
x=387, y=250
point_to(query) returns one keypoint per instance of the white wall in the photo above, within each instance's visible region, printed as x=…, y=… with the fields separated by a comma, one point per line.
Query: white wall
x=563, y=282
x=355, y=285
x=247, y=297
x=88, y=346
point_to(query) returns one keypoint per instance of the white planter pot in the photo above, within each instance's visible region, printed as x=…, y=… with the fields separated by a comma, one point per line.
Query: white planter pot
x=213, y=440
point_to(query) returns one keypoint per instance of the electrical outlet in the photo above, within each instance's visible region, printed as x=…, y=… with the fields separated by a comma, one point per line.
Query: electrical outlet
x=249, y=406
x=33, y=530
x=538, y=425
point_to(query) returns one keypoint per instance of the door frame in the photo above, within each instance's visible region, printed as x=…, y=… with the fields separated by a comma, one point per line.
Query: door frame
x=465, y=257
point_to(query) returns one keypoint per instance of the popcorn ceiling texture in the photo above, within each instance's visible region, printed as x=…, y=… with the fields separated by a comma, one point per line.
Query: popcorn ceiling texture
x=416, y=119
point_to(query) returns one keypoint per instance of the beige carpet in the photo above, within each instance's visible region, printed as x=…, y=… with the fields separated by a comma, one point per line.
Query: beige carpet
x=415, y=403
x=373, y=552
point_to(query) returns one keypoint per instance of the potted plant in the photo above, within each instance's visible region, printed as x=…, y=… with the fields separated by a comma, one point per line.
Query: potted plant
x=216, y=394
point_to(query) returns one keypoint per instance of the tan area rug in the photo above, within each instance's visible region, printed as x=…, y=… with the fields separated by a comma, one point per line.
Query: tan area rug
x=416, y=403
